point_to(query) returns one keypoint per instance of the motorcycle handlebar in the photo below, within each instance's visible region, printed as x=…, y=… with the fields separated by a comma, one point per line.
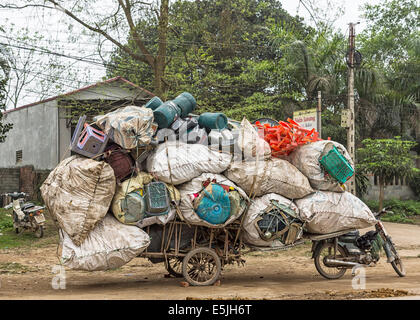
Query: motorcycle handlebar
x=382, y=212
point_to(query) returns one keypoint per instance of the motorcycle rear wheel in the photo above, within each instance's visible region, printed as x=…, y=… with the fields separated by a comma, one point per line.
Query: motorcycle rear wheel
x=330, y=273
x=39, y=233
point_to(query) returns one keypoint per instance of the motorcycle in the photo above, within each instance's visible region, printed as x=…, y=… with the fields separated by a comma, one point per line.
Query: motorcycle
x=26, y=216
x=334, y=253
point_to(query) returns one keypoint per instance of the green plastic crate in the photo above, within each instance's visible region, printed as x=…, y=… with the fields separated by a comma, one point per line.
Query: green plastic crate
x=157, y=199
x=337, y=166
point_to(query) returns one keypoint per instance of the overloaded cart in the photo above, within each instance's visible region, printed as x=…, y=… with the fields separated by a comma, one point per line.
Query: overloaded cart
x=193, y=191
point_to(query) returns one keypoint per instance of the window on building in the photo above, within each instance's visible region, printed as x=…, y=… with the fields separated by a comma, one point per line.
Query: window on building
x=19, y=156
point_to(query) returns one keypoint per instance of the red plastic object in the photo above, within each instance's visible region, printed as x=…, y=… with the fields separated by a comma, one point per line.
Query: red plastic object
x=287, y=136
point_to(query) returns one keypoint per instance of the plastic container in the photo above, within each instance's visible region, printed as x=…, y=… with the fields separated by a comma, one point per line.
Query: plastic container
x=214, y=206
x=87, y=140
x=166, y=114
x=157, y=199
x=186, y=102
x=120, y=160
x=210, y=120
x=337, y=166
x=154, y=103
x=134, y=207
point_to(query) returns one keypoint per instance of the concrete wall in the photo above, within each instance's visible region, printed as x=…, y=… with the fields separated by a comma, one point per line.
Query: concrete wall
x=399, y=190
x=35, y=132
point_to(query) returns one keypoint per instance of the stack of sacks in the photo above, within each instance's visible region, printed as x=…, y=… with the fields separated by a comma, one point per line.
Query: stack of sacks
x=80, y=190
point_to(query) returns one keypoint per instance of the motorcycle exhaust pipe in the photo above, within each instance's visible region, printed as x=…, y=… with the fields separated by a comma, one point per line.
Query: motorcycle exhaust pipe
x=339, y=263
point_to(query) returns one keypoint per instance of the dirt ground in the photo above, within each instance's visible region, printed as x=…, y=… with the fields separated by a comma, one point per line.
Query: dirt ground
x=28, y=273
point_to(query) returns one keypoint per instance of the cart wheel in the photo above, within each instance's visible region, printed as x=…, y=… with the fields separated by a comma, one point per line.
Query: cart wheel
x=201, y=267
x=174, y=267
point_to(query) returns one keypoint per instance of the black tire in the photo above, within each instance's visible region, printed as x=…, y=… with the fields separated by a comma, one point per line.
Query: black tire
x=39, y=233
x=397, y=263
x=17, y=230
x=335, y=273
x=174, y=267
x=201, y=267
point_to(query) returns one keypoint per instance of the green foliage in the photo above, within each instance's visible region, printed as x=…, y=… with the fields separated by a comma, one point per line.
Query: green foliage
x=406, y=211
x=227, y=54
x=362, y=183
x=6, y=220
x=414, y=183
x=386, y=158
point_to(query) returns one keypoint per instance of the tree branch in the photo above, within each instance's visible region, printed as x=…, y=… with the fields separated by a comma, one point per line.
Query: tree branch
x=127, y=11
x=100, y=31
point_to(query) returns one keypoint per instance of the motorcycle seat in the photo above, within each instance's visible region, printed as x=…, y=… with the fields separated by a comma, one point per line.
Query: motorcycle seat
x=27, y=206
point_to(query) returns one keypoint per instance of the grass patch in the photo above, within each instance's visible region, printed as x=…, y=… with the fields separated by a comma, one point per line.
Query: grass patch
x=404, y=211
x=10, y=239
x=15, y=268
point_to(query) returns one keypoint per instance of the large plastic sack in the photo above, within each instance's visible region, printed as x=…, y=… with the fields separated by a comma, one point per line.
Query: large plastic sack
x=196, y=185
x=78, y=193
x=109, y=246
x=186, y=161
x=306, y=159
x=326, y=212
x=129, y=126
x=250, y=232
x=251, y=143
x=274, y=175
x=136, y=184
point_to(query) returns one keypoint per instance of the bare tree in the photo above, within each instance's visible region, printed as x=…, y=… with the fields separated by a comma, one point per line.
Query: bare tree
x=34, y=72
x=113, y=20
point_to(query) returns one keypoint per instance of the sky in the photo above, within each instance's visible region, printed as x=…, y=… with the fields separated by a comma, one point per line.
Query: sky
x=54, y=28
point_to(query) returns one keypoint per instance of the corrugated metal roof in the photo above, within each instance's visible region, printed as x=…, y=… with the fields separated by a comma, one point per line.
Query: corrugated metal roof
x=119, y=78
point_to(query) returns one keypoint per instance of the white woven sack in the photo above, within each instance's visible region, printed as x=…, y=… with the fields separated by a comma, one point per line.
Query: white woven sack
x=306, y=159
x=109, y=246
x=186, y=161
x=250, y=233
x=326, y=212
x=274, y=175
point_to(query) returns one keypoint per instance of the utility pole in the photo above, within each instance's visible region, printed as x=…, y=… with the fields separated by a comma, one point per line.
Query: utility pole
x=318, y=114
x=351, y=183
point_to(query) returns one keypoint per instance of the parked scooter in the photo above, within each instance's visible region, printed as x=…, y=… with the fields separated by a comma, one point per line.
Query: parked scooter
x=334, y=253
x=26, y=216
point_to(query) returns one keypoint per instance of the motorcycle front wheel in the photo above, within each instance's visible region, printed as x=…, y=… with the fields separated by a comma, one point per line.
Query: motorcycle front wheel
x=324, y=251
x=397, y=263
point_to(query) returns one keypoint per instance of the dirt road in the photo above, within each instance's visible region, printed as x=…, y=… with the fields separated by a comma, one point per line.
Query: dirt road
x=28, y=274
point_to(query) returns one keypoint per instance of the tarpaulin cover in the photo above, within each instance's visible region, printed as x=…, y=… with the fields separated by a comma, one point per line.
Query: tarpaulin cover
x=78, y=193
x=109, y=246
x=306, y=159
x=137, y=183
x=274, y=175
x=186, y=161
x=250, y=232
x=195, y=186
x=132, y=126
x=326, y=212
